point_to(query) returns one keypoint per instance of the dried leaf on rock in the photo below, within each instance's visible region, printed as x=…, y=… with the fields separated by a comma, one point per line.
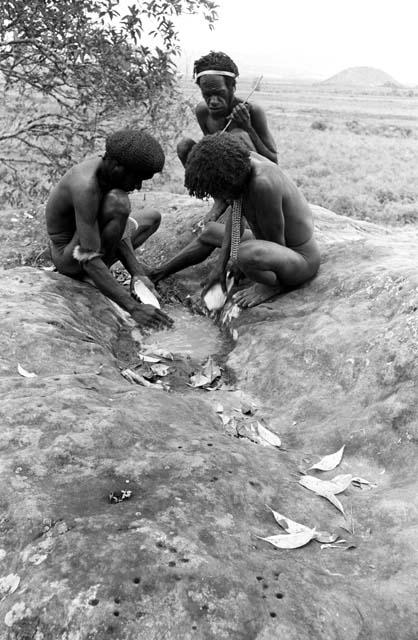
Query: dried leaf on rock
x=334, y=545
x=290, y=540
x=325, y=537
x=160, y=369
x=211, y=370
x=199, y=380
x=360, y=481
x=325, y=488
x=24, y=373
x=329, y=462
x=267, y=436
x=146, y=358
x=163, y=353
x=135, y=378
x=9, y=584
x=335, y=486
x=290, y=526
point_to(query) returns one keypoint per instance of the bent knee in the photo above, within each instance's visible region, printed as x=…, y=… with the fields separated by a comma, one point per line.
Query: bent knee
x=117, y=201
x=251, y=254
x=183, y=149
x=210, y=233
x=154, y=217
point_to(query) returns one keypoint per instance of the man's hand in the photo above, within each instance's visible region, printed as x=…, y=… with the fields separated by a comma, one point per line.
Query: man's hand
x=241, y=115
x=149, y=317
x=147, y=282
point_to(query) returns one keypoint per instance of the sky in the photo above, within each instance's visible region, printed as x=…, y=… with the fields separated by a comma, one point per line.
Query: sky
x=308, y=38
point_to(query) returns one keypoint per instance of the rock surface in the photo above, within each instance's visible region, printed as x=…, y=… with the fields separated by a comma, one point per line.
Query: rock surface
x=332, y=363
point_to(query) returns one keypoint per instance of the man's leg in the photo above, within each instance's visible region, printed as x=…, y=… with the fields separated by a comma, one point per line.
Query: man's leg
x=194, y=253
x=113, y=218
x=144, y=223
x=274, y=268
x=62, y=257
x=184, y=146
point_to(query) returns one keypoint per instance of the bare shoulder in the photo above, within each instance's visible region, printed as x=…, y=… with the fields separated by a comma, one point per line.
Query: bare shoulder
x=201, y=110
x=265, y=173
x=256, y=109
x=82, y=177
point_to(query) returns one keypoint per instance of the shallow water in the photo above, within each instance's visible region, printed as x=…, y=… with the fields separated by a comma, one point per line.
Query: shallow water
x=191, y=335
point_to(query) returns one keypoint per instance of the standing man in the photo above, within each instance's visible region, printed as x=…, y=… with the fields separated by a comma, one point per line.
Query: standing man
x=87, y=218
x=216, y=75
x=280, y=252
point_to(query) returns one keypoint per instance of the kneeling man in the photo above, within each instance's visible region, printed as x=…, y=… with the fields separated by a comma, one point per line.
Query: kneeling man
x=280, y=252
x=88, y=223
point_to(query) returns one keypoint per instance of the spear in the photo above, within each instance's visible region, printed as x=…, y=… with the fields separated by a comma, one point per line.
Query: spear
x=255, y=87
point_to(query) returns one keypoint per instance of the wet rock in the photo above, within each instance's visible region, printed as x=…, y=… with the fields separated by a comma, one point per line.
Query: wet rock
x=331, y=363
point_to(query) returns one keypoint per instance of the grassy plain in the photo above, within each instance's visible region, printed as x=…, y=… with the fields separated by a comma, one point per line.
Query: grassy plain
x=354, y=151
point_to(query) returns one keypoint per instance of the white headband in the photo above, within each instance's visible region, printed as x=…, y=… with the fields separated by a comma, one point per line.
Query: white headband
x=215, y=72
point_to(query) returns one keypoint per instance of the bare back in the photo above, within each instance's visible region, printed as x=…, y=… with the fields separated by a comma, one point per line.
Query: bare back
x=78, y=183
x=274, y=207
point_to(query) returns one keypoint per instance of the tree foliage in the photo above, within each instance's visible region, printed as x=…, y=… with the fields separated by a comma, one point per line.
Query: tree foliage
x=67, y=68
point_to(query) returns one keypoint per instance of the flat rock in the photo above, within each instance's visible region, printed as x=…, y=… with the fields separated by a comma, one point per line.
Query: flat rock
x=332, y=363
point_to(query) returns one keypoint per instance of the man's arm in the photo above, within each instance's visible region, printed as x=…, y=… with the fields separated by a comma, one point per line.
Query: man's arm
x=252, y=119
x=201, y=113
x=86, y=202
x=218, y=273
x=127, y=256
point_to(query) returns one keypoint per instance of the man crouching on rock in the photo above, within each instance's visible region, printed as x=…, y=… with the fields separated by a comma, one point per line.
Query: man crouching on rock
x=87, y=217
x=280, y=253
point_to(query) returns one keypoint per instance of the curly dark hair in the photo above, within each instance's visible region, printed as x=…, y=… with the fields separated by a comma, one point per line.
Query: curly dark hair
x=136, y=150
x=218, y=165
x=218, y=61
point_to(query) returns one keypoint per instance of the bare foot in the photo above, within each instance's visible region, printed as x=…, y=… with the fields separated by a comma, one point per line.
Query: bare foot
x=256, y=294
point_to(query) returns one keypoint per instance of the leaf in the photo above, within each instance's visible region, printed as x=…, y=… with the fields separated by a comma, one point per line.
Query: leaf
x=326, y=488
x=290, y=540
x=290, y=526
x=268, y=436
x=9, y=584
x=327, y=463
x=133, y=377
x=199, y=380
x=163, y=353
x=24, y=373
x=361, y=481
x=146, y=358
x=335, y=485
x=160, y=369
x=211, y=370
x=325, y=537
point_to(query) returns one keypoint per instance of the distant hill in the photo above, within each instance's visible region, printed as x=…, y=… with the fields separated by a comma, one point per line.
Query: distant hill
x=362, y=77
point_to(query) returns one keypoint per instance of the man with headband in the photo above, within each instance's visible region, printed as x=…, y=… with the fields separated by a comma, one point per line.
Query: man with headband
x=280, y=252
x=216, y=76
x=88, y=223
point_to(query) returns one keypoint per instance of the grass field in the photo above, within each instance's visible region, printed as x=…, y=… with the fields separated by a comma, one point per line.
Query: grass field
x=354, y=152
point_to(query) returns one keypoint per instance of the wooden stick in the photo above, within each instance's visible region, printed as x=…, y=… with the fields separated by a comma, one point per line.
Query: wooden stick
x=255, y=87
